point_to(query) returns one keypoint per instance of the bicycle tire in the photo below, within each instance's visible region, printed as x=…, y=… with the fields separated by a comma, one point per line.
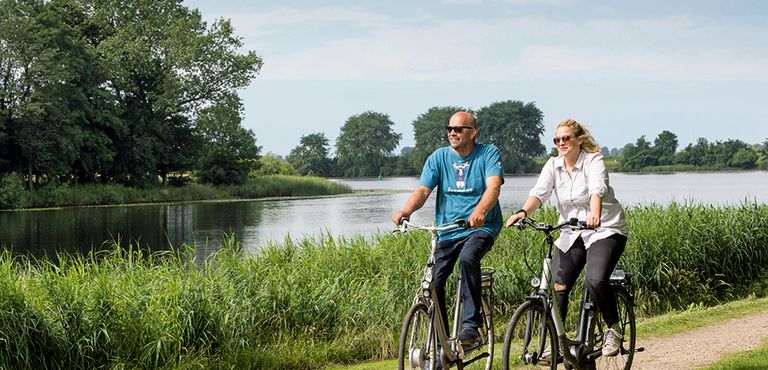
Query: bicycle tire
x=524, y=338
x=626, y=354
x=417, y=340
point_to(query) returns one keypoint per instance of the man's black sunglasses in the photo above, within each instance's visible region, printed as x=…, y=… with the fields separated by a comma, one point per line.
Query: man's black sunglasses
x=458, y=129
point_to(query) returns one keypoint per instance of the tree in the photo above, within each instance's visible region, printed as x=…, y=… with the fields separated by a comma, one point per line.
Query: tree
x=638, y=156
x=745, y=158
x=365, y=142
x=310, y=157
x=228, y=150
x=108, y=88
x=694, y=154
x=271, y=164
x=41, y=63
x=665, y=147
x=429, y=132
x=164, y=62
x=515, y=128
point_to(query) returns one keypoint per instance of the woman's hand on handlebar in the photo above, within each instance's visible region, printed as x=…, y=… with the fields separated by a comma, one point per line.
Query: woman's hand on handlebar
x=514, y=219
x=593, y=221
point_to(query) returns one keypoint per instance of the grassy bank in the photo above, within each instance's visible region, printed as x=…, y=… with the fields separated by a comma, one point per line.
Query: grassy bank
x=256, y=187
x=325, y=300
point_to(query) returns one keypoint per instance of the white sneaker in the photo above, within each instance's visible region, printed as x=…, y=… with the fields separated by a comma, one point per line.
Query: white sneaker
x=611, y=342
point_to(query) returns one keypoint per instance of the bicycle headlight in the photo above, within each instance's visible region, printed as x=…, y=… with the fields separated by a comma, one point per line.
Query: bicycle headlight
x=535, y=282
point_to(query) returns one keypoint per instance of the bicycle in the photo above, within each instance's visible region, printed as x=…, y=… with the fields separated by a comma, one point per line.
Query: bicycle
x=536, y=326
x=424, y=331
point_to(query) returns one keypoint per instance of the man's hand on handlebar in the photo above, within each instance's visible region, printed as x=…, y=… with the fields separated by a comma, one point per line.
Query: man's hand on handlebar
x=476, y=219
x=398, y=216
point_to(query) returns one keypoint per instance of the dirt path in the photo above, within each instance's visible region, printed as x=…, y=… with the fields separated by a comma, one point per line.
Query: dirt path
x=703, y=346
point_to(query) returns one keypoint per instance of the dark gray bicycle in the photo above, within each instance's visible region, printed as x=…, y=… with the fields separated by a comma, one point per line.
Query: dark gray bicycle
x=424, y=331
x=536, y=333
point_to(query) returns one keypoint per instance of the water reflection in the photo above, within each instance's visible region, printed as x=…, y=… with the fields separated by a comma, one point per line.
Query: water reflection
x=255, y=223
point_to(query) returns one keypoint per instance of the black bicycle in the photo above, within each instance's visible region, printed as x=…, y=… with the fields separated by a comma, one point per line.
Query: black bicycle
x=536, y=333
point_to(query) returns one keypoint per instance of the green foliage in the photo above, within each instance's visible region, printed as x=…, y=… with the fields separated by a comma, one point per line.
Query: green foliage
x=638, y=156
x=311, y=156
x=285, y=186
x=365, y=142
x=703, y=155
x=229, y=151
x=108, y=90
x=12, y=193
x=317, y=300
x=429, y=132
x=270, y=164
x=515, y=128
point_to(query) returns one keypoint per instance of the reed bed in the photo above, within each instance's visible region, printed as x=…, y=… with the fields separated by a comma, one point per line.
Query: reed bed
x=301, y=304
x=255, y=187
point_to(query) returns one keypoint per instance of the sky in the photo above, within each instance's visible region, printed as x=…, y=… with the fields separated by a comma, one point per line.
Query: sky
x=697, y=68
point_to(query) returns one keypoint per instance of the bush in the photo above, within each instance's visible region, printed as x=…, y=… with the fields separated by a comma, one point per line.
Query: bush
x=12, y=192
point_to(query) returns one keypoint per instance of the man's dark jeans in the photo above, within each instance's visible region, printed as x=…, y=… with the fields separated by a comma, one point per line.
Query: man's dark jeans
x=469, y=250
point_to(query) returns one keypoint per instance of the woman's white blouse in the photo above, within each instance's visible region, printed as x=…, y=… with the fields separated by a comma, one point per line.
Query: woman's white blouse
x=573, y=192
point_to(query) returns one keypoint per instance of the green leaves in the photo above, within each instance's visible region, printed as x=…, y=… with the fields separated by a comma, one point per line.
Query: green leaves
x=365, y=141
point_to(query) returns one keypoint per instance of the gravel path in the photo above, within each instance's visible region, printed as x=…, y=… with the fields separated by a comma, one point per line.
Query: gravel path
x=703, y=346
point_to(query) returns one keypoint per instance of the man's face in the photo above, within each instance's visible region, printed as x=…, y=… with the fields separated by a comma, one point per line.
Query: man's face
x=460, y=133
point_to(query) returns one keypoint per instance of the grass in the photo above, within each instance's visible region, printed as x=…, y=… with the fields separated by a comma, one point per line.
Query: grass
x=756, y=359
x=308, y=303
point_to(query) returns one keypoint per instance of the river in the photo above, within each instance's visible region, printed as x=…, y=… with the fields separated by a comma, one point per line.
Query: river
x=257, y=222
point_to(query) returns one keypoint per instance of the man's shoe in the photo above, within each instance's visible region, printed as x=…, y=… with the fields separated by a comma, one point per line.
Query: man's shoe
x=469, y=337
x=611, y=342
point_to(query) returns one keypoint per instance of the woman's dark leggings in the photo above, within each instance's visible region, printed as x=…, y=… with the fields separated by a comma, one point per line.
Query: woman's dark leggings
x=601, y=258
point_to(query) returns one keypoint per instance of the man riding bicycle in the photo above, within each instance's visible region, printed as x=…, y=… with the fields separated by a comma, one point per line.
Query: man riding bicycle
x=469, y=177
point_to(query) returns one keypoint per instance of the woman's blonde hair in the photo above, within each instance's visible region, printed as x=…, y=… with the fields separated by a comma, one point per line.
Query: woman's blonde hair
x=588, y=143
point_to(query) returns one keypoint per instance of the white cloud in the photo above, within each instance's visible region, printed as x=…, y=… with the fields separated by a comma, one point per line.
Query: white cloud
x=511, y=49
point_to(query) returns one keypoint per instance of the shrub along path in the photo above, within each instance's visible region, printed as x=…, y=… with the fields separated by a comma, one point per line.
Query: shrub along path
x=703, y=346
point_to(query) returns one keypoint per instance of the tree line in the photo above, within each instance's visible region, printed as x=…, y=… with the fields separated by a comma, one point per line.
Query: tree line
x=366, y=143
x=663, y=154
x=116, y=91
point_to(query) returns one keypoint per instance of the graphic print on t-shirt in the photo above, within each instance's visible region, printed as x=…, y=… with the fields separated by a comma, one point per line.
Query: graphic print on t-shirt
x=460, y=174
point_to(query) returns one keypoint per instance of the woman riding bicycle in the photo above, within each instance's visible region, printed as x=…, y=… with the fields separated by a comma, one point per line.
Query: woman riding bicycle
x=579, y=181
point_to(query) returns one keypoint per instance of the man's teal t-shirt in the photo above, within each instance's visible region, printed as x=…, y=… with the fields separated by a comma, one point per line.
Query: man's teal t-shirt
x=461, y=184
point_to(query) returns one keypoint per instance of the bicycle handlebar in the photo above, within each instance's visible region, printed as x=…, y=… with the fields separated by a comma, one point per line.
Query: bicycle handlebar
x=405, y=224
x=573, y=223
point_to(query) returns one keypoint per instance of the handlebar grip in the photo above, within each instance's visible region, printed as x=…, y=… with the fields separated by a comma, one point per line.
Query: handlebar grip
x=403, y=219
x=461, y=222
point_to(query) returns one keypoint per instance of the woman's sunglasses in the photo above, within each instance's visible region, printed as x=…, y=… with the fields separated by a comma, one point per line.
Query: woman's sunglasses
x=564, y=139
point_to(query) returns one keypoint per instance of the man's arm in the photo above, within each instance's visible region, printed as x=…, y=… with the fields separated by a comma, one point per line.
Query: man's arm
x=489, y=199
x=415, y=202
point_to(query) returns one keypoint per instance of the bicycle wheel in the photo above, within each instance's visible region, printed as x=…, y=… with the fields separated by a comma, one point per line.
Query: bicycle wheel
x=417, y=341
x=529, y=334
x=623, y=360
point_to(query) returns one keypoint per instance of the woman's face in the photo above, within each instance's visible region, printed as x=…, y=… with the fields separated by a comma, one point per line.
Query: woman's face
x=566, y=141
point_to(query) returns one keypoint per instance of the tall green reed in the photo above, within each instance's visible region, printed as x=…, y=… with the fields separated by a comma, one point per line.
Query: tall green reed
x=303, y=303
